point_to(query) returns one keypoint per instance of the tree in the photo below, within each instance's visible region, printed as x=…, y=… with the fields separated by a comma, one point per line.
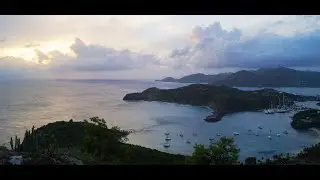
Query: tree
x=251, y=161
x=101, y=141
x=221, y=152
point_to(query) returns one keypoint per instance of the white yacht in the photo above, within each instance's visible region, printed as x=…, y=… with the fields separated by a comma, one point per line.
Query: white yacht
x=218, y=134
x=166, y=145
x=270, y=110
x=167, y=139
x=278, y=135
x=235, y=134
x=269, y=137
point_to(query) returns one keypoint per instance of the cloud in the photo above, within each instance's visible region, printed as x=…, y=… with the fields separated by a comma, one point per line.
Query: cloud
x=121, y=44
x=93, y=57
x=41, y=56
x=216, y=47
x=86, y=60
x=3, y=40
x=31, y=45
x=12, y=68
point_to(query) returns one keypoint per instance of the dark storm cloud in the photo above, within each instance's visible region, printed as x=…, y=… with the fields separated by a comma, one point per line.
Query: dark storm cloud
x=217, y=47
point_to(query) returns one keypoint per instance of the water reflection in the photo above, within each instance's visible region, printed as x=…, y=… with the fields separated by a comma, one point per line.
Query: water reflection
x=37, y=103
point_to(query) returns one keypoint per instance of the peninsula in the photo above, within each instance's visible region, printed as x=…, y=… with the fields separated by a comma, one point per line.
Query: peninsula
x=264, y=77
x=306, y=119
x=224, y=100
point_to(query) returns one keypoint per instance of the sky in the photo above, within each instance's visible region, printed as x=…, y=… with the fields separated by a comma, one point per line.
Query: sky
x=153, y=47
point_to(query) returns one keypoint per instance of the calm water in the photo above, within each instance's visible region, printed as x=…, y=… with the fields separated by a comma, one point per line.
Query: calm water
x=27, y=103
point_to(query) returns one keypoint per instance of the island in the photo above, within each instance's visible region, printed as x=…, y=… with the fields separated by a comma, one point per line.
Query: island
x=222, y=99
x=304, y=120
x=264, y=77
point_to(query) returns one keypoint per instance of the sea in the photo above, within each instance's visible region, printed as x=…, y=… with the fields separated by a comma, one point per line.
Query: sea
x=24, y=103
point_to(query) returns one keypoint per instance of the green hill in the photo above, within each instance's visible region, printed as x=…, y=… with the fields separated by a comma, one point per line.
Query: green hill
x=224, y=100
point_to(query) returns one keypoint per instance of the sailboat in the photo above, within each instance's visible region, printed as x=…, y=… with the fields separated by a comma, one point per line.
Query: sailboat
x=166, y=145
x=270, y=110
x=282, y=108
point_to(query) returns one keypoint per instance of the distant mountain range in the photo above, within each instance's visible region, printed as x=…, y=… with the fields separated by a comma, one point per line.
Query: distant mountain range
x=265, y=77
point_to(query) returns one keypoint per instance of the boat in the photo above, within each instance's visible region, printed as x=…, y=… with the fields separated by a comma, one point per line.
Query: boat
x=211, y=139
x=218, y=134
x=260, y=127
x=188, y=142
x=270, y=110
x=181, y=135
x=249, y=130
x=166, y=145
x=257, y=134
x=166, y=133
x=167, y=139
x=235, y=134
x=278, y=135
x=282, y=110
x=269, y=137
x=212, y=118
x=285, y=132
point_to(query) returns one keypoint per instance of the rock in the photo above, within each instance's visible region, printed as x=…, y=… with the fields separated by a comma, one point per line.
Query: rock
x=16, y=160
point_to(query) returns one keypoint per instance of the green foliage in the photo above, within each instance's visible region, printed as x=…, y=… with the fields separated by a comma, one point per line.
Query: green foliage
x=221, y=98
x=16, y=144
x=306, y=119
x=94, y=143
x=99, y=140
x=221, y=152
x=251, y=161
x=311, y=153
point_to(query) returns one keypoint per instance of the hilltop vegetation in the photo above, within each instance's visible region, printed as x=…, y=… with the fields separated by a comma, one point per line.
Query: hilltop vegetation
x=265, y=77
x=224, y=100
x=306, y=119
x=92, y=142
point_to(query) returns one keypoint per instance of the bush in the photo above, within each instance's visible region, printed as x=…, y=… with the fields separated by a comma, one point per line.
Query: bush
x=218, y=153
